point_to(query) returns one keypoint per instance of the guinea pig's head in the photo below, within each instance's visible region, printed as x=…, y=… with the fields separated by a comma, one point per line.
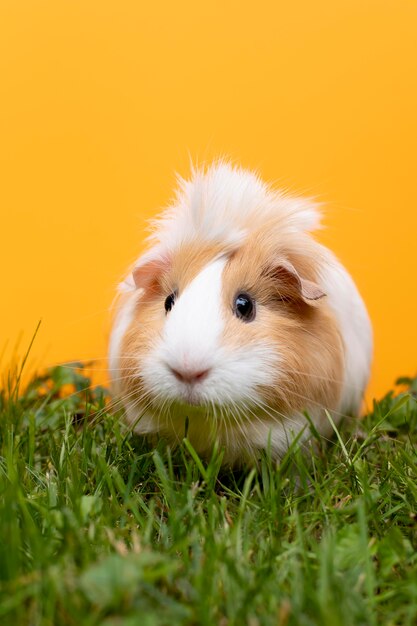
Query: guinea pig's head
x=239, y=335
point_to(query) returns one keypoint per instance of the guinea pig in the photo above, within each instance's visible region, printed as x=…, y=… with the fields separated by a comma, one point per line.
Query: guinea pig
x=236, y=323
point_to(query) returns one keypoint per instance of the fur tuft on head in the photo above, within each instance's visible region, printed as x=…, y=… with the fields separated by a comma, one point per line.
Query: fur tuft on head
x=222, y=204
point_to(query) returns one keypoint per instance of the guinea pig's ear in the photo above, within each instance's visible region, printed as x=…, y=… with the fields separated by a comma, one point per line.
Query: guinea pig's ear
x=292, y=285
x=148, y=270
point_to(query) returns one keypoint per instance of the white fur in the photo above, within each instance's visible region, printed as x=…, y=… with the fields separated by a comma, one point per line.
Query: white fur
x=193, y=329
x=192, y=340
x=122, y=322
x=355, y=329
x=220, y=204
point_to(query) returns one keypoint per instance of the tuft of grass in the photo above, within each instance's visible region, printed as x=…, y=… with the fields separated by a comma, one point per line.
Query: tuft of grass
x=97, y=528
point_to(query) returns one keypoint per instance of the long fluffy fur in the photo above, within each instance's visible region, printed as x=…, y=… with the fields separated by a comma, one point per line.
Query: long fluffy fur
x=222, y=203
x=324, y=352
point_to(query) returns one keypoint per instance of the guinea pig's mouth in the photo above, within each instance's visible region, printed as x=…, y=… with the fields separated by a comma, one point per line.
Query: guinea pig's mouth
x=191, y=397
x=182, y=409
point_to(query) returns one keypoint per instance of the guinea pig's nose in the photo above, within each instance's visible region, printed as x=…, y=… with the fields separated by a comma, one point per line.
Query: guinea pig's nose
x=189, y=376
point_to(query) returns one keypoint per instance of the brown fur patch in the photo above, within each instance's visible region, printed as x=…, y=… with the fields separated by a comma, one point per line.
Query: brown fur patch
x=187, y=262
x=305, y=337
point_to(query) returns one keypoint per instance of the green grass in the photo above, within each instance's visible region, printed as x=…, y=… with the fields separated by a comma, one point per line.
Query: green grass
x=97, y=528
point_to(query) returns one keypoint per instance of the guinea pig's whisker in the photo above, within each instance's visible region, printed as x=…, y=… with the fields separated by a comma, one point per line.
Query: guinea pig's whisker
x=236, y=417
x=277, y=416
x=230, y=425
x=213, y=410
x=267, y=409
x=320, y=377
x=130, y=376
x=321, y=406
x=143, y=408
x=126, y=396
x=235, y=413
x=88, y=363
x=113, y=406
x=236, y=421
x=166, y=414
x=284, y=421
x=224, y=425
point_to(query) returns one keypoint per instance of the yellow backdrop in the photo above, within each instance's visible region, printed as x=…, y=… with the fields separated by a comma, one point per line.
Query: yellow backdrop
x=101, y=101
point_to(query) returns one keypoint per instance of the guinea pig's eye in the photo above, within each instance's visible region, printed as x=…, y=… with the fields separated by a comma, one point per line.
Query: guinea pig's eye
x=244, y=307
x=170, y=301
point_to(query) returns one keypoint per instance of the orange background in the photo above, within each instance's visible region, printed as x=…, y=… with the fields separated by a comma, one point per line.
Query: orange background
x=101, y=101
